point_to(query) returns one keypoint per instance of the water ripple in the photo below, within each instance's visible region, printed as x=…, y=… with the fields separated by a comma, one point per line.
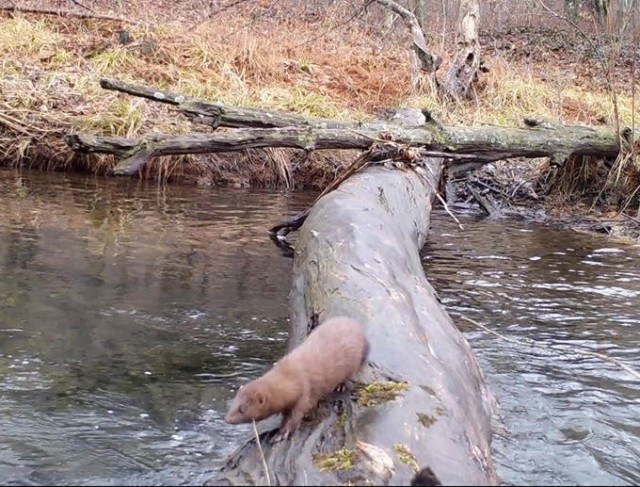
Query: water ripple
x=569, y=418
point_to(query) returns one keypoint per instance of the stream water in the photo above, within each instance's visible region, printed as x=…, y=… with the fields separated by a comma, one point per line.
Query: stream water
x=130, y=312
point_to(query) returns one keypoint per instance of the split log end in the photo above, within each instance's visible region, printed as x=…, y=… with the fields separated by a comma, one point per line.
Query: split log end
x=130, y=165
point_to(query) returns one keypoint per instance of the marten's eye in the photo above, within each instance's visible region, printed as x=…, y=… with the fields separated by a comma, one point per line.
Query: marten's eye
x=241, y=409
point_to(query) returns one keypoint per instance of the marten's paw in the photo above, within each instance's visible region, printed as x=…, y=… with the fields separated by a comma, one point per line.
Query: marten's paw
x=281, y=435
x=347, y=386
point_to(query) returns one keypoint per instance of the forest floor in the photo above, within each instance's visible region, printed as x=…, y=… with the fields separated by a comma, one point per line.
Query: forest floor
x=343, y=65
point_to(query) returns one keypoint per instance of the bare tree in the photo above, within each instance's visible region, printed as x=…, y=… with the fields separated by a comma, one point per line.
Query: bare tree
x=425, y=63
x=464, y=69
x=463, y=72
x=421, y=12
x=599, y=7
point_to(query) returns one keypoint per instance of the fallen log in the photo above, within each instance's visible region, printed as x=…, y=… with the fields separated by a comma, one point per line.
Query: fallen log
x=422, y=401
x=471, y=146
x=464, y=148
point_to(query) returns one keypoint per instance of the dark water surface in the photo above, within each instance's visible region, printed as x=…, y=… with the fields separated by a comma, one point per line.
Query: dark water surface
x=130, y=312
x=128, y=315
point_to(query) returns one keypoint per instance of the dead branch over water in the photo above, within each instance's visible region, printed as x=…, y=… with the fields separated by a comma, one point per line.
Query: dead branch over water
x=466, y=147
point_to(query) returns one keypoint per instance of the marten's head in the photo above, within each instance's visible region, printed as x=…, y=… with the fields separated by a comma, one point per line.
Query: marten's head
x=250, y=403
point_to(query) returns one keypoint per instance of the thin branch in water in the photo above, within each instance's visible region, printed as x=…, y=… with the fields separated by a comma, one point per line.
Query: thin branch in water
x=262, y=457
x=533, y=344
x=444, y=203
x=446, y=208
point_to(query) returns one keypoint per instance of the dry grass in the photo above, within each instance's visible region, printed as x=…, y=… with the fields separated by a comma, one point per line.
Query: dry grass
x=51, y=67
x=251, y=55
x=509, y=92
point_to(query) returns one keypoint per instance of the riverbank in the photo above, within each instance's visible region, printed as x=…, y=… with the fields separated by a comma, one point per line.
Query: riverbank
x=307, y=62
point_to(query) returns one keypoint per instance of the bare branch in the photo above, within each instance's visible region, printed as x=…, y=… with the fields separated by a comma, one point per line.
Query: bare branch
x=66, y=13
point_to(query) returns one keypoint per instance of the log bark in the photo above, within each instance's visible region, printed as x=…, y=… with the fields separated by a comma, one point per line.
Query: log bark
x=468, y=146
x=358, y=255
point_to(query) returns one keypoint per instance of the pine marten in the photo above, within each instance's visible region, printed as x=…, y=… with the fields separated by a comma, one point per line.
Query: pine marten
x=332, y=354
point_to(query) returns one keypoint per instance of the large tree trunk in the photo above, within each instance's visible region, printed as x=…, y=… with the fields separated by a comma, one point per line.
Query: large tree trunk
x=358, y=255
x=463, y=72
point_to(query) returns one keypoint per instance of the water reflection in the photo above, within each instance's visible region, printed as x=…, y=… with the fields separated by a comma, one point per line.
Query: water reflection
x=567, y=418
x=128, y=313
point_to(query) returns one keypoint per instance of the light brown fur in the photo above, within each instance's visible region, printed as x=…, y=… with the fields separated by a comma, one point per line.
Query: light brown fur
x=332, y=354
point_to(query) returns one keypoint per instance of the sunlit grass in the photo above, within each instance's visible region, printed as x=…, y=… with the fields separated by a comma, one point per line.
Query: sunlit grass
x=113, y=61
x=508, y=94
x=20, y=36
x=123, y=117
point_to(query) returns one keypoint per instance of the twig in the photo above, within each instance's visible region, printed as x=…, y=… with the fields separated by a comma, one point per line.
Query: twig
x=82, y=6
x=444, y=26
x=444, y=203
x=633, y=219
x=533, y=344
x=264, y=460
x=336, y=27
x=67, y=13
x=212, y=14
x=298, y=220
x=580, y=31
x=488, y=186
x=629, y=200
x=21, y=126
x=446, y=208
